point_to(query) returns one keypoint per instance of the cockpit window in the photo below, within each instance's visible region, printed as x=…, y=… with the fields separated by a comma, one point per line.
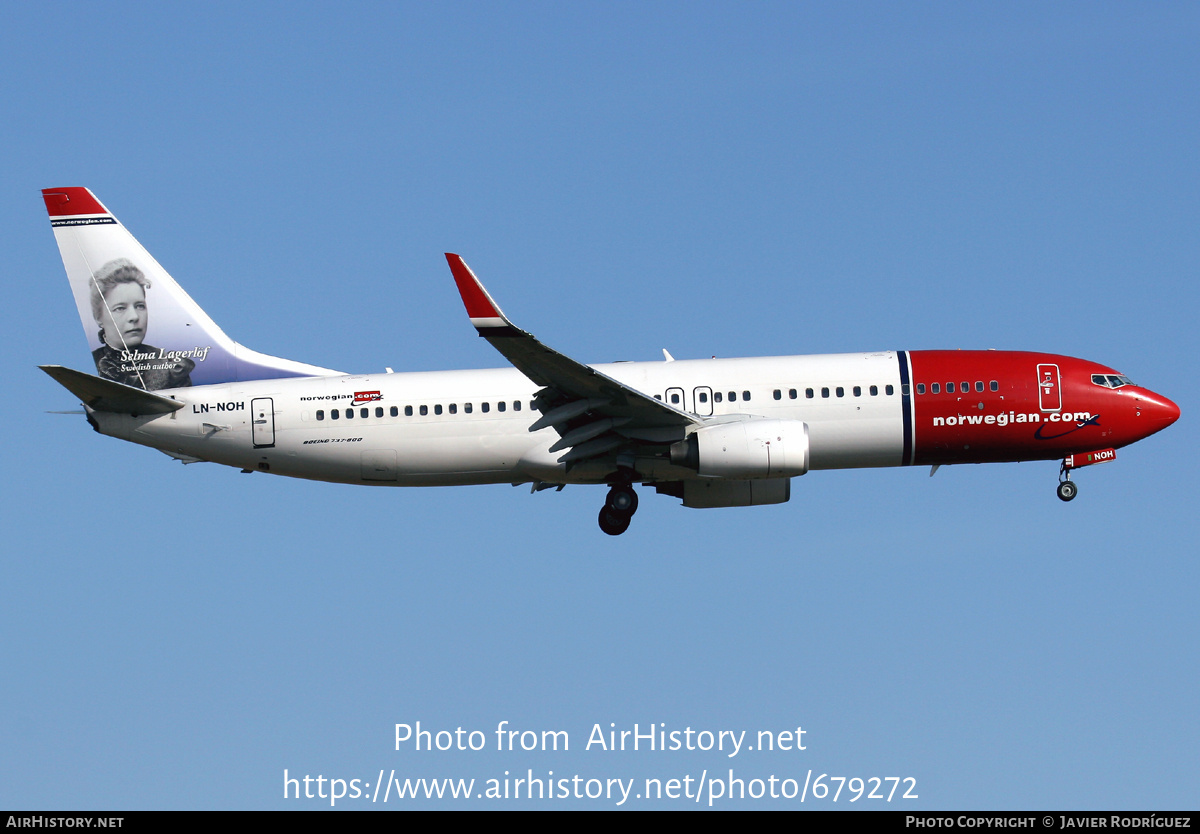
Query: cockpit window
x=1111, y=380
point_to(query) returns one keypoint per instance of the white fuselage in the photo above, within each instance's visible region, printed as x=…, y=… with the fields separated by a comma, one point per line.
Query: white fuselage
x=472, y=427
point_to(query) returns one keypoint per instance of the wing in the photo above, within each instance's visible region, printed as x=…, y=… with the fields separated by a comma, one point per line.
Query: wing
x=594, y=413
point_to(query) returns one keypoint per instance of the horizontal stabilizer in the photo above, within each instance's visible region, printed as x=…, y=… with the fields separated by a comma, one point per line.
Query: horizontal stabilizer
x=106, y=395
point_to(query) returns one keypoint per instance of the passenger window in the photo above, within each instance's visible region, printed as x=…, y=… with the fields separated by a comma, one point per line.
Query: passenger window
x=808, y=393
x=920, y=387
x=791, y=393
x=979, y=386
x=408, y=411
x=935, y=388
x=825, y=393
x=349, y=413
x=949, y=387
x=395, y=412
x=320, y=414
x=437, y=409
x=466, y=408
x=874, y=390
x=777, y=394
x=966, y=388
x=703, y=397
x=453, y=408
x=890, y=390
x=516, y=405
x=424, y=411
x=746, y=396
x=485, y=407
x=334, y=414
x=841, y=392
x=717, y=397
x=858, y=390
x=674, y=399
x=658, y=397
x=995, y=385
x=364, y=413
x=733, y=396
x=379, y=411
x=501, y=406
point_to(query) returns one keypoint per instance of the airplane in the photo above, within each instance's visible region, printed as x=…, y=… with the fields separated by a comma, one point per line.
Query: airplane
x=711, y=432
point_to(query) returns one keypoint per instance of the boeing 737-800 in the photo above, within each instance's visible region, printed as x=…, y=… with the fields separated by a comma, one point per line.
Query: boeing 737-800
x=712, y=432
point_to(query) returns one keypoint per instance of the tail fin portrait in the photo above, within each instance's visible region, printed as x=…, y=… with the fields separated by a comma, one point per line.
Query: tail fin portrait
x=142, y=328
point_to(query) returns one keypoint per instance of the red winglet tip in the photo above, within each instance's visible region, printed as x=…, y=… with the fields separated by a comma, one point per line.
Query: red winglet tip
x=474, y=297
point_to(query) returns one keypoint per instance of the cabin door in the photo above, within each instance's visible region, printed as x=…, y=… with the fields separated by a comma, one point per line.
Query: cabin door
x=262, y=422
x=1049, y=388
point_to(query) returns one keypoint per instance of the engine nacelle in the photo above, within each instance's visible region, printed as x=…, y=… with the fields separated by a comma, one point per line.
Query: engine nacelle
x=746, y=450
x=703, y=493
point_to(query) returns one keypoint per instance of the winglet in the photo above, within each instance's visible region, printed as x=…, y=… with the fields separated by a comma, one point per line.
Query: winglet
x=485, y=313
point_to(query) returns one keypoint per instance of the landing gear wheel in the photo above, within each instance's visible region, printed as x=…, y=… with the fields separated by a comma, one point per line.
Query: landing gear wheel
x=622, y=500
x=1067, y=490
x=612, y=523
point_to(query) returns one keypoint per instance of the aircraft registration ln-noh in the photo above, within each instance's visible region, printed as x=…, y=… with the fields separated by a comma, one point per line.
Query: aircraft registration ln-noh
x=712, y=432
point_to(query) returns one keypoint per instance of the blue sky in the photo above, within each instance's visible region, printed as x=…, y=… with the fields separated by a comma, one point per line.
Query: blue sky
x=729, y=180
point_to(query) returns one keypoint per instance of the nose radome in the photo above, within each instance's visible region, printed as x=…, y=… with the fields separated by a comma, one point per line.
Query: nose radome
x=1171, y=411
x=1161, y=411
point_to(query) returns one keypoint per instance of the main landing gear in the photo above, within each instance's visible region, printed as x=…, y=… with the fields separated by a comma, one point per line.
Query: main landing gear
x=619, y=507
x=1066, y=487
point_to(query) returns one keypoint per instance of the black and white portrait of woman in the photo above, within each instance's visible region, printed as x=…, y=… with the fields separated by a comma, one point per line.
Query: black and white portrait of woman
x=118, y=291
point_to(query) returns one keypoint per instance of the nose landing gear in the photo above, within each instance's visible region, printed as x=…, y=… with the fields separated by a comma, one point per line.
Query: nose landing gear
x=1067, y=490
x=619, y=507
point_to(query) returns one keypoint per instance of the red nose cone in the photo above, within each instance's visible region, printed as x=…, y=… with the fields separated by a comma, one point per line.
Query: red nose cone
x=1160, y=411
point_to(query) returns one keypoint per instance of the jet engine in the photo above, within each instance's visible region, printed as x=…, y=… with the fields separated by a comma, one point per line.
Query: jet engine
x=745, y=450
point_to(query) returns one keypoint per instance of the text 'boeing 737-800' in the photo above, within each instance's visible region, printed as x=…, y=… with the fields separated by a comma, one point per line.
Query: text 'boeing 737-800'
x=712, y=432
